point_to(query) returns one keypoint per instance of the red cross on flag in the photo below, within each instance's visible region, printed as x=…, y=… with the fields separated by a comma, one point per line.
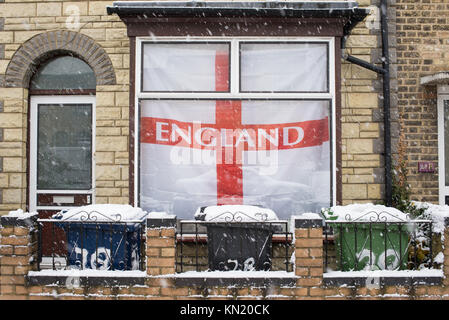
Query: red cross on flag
x=274, y=153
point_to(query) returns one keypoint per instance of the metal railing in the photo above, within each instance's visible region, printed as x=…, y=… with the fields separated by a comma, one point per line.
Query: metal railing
x=90, y=244
x=233, y=245
x=378, y=244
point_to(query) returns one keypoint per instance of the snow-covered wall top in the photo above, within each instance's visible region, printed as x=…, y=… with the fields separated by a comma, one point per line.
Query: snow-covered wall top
x=370, y=212
x=436, y=213
x=160, y=215
x=20, y=214
x=103, y=213
x=235, y=213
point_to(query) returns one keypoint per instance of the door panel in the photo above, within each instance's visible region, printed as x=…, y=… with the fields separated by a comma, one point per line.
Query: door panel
x=61, y=160
x=63, y=200
x=53, y=238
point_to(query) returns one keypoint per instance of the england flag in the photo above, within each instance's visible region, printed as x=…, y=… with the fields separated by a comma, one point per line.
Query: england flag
x=273, y=153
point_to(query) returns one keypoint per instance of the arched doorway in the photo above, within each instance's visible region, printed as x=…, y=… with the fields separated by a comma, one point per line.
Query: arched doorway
x=62, y=131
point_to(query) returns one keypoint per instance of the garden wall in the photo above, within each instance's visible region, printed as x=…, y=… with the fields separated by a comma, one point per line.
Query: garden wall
x=18, y=253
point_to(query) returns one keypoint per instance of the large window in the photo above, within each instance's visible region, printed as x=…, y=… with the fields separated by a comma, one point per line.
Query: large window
x=238, y=121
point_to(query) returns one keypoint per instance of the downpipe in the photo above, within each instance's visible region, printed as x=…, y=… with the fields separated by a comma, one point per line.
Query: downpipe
x=385, y=71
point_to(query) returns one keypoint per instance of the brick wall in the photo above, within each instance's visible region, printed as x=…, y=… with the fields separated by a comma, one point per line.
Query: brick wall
x=160, y=251
x=422, y=35
x=18, y=248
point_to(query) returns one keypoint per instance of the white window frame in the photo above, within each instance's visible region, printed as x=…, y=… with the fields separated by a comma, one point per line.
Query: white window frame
x=233, y=93
x=443, y=190
x=63, y=99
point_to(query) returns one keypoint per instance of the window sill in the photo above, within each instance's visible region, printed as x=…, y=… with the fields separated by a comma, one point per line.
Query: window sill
x=235, y=278
x=383, y=278
x=86, y=278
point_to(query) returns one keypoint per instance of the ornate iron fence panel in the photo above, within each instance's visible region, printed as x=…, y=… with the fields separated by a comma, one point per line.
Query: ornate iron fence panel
x=374, y=242
x=92, y=243
x=230, y=246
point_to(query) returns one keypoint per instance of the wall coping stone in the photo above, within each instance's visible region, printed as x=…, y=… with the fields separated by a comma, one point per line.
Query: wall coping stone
x=361, y=281
x=84, y=280
x=7, y=221
x=168, y=222
x=308, y=222
x=235, y=281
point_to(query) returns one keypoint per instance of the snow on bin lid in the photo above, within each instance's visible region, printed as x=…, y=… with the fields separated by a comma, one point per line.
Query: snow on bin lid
x=364, y=212
x=103, y=213
x=235, y=213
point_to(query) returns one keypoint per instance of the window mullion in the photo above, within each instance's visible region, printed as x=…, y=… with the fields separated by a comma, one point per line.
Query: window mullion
x=235, y=66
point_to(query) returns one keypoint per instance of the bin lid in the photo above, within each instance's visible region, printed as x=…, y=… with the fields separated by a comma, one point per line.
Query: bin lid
x=364, y=213
x=103, y=213
x=235, y=213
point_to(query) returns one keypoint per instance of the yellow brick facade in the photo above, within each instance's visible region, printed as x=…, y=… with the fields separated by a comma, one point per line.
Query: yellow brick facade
x=361, y=166
x=22, y=21
x=362, y=139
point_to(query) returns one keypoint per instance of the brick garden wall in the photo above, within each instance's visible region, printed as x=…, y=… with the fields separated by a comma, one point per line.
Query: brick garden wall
x=18, y=257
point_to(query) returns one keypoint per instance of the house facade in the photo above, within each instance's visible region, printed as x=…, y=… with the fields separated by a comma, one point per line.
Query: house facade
x=42, y=32
x=294, y=106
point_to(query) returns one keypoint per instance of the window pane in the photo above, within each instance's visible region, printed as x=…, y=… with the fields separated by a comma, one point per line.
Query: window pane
x=64, y=159
x=185, y=67
x=284, y=67
x=199, y=153
x=64, y=73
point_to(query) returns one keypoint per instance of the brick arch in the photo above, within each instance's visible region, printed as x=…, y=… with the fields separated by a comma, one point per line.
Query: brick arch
x=43, y=46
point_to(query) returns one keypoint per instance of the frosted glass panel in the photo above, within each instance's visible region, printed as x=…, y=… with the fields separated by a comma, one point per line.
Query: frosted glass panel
x=284, y=67
x=64, y=159
x=64, y=72
x=185, y=67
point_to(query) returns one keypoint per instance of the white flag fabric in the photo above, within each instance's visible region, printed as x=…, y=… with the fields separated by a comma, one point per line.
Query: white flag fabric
x=183, y=68
x=274, y=153
x=278, y=156
x=284, y=67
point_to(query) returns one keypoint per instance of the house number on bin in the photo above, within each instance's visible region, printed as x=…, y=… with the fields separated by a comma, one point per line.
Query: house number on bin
x=98, y=260
x=248, y=265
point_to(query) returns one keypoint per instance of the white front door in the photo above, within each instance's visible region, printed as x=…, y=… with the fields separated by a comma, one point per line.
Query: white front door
x=62, y=132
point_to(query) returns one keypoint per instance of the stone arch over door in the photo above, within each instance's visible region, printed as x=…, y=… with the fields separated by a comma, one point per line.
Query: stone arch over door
x=46, y=45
